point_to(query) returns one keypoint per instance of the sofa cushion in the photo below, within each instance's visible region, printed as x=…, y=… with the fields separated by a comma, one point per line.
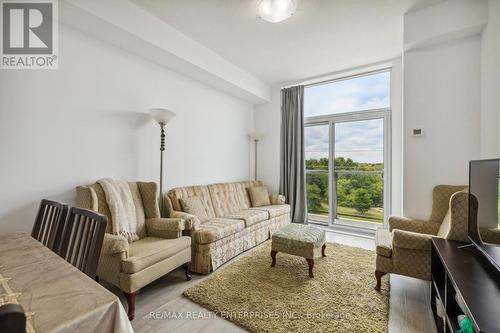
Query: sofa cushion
x=275, y=210
x=217, y=228
x=383, y=242
x=259, y=196
x=250, y=216
x=224, y=199
x=149, y=250
x=202, y=192
x=242, y=192
x=194, y=206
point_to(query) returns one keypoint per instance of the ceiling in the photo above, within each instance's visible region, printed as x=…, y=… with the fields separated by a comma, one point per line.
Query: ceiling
x=322, y=37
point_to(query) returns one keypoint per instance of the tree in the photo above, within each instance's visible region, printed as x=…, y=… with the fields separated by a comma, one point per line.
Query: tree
x=348, y=185
x=361, y=200
x=313, y=198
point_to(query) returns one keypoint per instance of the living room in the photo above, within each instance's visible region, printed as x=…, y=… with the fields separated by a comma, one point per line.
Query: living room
x=257, y=165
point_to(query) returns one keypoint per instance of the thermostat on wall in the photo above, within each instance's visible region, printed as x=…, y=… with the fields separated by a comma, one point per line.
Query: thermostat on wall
x=417, y=132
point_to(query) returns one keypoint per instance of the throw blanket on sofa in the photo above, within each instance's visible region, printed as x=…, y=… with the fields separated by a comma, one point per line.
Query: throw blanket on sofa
x=122, y=208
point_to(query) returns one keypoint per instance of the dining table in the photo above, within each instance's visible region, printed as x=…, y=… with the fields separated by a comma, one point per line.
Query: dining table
x=55, y=296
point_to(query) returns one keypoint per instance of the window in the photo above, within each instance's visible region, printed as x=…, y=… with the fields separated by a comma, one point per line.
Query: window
x=348, y=120
x=348, y=95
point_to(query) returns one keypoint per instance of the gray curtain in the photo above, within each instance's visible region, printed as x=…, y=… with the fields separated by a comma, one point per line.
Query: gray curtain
x=292, y=166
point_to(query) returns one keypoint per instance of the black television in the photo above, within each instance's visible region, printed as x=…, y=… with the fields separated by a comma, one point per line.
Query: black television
x=484, y=187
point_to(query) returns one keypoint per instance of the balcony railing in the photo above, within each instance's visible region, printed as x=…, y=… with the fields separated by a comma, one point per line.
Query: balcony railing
x=359, y=194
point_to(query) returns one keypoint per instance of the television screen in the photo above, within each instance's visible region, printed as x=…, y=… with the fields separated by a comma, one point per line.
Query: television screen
x=484, y=185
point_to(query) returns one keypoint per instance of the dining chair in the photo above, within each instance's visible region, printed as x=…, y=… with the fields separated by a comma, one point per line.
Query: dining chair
x=49, y=223
x=82, y=239
x=12, y=318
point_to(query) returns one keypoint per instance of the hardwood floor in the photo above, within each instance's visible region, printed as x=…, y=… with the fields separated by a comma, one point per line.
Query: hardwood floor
x=409, y=311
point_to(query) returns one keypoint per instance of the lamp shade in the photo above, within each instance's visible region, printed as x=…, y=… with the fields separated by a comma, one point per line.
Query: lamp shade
x=256, y=136
x=162, y=116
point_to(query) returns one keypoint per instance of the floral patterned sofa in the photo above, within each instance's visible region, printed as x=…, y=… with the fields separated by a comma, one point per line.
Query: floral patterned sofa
x=233, y=225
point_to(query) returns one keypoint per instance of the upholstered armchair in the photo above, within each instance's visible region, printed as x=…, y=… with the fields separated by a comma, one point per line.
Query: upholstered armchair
x=490, y=235
x=406, y=247
x=160, y=249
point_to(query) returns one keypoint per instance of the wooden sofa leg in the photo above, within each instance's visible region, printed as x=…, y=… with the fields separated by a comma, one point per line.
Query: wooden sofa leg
x=187, y=268
x=378, y=276
x=131, y=303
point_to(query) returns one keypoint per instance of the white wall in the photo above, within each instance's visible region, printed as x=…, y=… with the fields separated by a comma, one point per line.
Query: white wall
x=444, y=20
x=442, y=96
x=85, y=121
x=268, y=121
x=490, y=84
x=132, y=28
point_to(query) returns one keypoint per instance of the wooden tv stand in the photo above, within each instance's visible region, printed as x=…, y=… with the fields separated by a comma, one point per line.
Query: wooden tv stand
x=467, y=273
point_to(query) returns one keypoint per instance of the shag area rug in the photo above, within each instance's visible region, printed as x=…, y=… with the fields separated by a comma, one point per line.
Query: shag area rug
x=261, y=298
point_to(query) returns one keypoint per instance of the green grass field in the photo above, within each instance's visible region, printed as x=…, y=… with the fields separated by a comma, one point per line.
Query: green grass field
x=373, y=215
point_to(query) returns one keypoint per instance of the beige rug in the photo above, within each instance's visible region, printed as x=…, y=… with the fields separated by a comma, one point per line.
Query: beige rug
x=260, y=298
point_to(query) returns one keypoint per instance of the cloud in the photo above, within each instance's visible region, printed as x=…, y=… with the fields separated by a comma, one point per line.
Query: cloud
x=362, y=141
x=362, y=93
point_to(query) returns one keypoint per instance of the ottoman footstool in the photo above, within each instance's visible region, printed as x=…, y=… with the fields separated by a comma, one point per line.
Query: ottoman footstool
x=299, y=240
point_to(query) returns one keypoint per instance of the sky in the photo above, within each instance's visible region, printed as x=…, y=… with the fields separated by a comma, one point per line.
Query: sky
x=362, y=141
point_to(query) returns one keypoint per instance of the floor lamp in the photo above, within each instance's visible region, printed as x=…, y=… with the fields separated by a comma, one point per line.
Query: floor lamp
x=162, y=117
x=256, y=137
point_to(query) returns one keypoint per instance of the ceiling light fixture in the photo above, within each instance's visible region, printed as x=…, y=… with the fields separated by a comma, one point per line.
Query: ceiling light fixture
x=276, y=10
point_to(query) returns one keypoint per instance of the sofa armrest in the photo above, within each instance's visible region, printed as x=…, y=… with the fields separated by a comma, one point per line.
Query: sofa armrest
x=114, y=244
x=86, y=198
x=165, y=227
x=403, y=223
x=192, y=221
x=411, y=240
x=277, y=199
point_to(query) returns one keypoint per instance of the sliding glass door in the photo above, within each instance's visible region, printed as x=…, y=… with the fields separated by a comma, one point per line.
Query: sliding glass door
x=347, y=157
x=359, y=172
x=317, y=151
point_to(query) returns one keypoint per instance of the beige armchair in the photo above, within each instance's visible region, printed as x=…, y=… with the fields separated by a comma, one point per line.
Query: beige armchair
x=160, y=249
x=406, y=247
x=490, y=235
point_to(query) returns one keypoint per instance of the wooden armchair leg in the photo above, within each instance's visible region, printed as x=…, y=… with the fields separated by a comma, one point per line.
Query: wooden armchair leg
x=378, y=276
x=131, y=303
x=187, y=268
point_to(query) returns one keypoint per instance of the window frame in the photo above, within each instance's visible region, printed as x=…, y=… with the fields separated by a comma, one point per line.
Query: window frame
x=368, y=114
x=350, y=77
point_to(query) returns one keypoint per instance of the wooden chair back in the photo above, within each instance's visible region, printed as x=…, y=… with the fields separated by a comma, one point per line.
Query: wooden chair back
x=49, y=223
x=82, y=239
x=12, y=318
